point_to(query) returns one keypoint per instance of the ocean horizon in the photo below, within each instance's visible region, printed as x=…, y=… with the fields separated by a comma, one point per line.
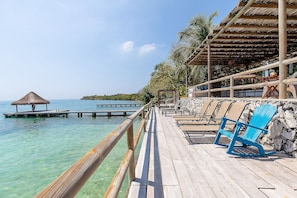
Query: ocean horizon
x=35, y=151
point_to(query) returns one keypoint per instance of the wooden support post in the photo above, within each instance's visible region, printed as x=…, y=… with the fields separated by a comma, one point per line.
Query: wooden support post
x=282, y=31
x=159, y=98
x=231, y=87
x=209, y=74
x=130, y=140
x=143, y=117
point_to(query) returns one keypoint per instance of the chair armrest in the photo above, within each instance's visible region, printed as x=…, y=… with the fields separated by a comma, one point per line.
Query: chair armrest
x=248, y=125
x=224, y=121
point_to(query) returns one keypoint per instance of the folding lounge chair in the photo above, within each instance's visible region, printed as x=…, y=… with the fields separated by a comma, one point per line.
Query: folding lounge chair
x=176, y=107
x=204, y=116
x=247, y=134
x=214, y=119
x=233, y=113
x=201, y=112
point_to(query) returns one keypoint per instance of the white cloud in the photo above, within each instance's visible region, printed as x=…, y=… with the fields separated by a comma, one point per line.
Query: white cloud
x=146, y=48
x=128, y=46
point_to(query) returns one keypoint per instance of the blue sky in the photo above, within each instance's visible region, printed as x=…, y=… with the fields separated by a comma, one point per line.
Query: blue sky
x=67, y=49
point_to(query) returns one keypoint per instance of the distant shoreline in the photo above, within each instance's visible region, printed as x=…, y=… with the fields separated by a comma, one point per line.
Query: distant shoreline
x=134, y=97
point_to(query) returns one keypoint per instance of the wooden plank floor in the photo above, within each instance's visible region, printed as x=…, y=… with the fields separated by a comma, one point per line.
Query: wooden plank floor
x=171, y=166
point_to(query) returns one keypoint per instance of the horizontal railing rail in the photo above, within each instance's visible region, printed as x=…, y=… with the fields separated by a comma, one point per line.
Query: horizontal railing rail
x=232, y=77
x=71, y=181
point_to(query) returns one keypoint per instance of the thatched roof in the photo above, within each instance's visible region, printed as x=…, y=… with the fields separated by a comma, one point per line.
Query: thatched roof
x=249, y=34
x=30, y=99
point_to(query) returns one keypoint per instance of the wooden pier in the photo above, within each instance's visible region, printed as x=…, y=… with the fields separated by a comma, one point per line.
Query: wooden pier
x=65, y=113
x=48, y=113
x=102, y=113
x=119, y=105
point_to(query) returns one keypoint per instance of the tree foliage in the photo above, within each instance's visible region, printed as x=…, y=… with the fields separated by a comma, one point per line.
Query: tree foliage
x=114, y=97
x=161, y=78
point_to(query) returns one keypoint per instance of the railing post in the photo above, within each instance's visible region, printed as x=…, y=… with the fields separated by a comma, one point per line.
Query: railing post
x=209, y=69
x=130, y=139
x=231, y=87
x=282, y=28
x=143, y=118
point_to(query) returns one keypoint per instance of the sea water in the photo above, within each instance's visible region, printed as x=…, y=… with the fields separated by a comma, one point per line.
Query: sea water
x=35, y=151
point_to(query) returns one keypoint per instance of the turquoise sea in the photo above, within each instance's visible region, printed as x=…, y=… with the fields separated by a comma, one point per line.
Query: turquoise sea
x=34, y=151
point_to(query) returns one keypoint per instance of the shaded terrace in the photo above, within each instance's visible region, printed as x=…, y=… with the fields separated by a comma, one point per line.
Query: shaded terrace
x=256, y=36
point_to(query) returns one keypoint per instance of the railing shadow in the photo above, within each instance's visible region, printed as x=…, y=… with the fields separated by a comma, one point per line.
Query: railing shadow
x=151, y=180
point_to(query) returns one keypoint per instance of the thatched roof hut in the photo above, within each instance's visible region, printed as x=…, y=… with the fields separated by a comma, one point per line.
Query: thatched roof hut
x=30, y=99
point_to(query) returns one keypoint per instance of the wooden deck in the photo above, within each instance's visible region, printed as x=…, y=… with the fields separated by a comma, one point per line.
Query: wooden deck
x=100, y=113
x=120, y=105
x=170, y=166
x=45, y=113
x=65, y=113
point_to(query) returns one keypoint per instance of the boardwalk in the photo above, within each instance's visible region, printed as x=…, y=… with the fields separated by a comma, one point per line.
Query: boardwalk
x=169, y=166
x=65, y=113
x=45, y=113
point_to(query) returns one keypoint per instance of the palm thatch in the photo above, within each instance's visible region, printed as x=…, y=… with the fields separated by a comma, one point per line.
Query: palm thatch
x=30, y=99
x=248, y=35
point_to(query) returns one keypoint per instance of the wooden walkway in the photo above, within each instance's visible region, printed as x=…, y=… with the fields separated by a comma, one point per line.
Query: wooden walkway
x=170, y=166
x=65, y=113
x=100, y=113
x=45, y=113
x=120, y=105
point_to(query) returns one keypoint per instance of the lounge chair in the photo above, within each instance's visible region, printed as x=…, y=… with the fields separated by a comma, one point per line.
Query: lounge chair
x=201, y=112
x=176, y=107
x=214, y=119
x=233, y=113
x=206, y=115
x=247, y=134
x=179, y=107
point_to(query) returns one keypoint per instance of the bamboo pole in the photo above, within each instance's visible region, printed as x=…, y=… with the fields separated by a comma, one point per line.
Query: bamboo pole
x=130, y=139
x=209, y=70
x=231, y=87
x=282, y=31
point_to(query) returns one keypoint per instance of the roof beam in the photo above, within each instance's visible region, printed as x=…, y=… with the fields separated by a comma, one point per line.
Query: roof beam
x=220, y=39
x=196, y=53
x=234, y=44
x=267, y=5
x=266, y=17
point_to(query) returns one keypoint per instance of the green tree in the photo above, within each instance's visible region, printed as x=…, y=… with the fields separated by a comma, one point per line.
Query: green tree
x=146, y=95
x=161, y=78
x=189, y=39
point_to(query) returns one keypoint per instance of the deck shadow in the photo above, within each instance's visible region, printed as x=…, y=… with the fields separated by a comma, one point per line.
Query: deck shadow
x=154, y=180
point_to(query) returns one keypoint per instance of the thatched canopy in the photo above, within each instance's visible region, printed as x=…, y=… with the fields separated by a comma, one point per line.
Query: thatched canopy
x=249, y=34
x=31, y=99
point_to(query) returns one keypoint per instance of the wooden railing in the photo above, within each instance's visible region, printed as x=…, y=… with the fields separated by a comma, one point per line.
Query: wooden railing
x=233, y=87
x=71, y=181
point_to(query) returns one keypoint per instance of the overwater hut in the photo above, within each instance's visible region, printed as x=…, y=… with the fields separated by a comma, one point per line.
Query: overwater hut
x=30, y=99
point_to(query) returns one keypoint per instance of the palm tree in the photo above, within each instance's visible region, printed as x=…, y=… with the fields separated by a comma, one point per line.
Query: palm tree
x=189, y=39
x=161, y=78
